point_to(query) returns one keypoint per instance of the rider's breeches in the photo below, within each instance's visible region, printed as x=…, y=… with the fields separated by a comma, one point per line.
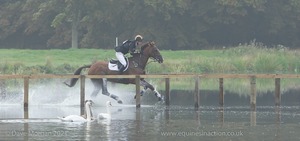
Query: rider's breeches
x=121, y=58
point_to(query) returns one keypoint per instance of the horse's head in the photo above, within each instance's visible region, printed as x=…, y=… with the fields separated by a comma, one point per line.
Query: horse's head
x=152, y=51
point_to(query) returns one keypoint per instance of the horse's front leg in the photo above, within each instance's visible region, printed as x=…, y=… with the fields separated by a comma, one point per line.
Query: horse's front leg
x=147, y=85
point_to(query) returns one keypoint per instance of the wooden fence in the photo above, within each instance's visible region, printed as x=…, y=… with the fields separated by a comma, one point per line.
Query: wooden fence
x=167, y=77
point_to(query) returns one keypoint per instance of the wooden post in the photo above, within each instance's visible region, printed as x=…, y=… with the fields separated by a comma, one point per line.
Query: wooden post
x=167, y=114
x=138, y=89
x=82, y=93
x=2, y=89
x=221, y=93
x=277, y=92
x=26, y=113
x=253, y=93
x=26, y=91
x=167, y=91
x=196, y=93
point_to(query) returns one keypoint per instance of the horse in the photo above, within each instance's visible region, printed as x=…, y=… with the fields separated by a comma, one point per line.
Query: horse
x=137, y=63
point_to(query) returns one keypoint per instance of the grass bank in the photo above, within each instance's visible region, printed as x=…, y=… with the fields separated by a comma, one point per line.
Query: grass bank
x=247, y=58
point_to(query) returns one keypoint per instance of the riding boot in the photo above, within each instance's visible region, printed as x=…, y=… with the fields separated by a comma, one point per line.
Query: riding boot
x=122, y=69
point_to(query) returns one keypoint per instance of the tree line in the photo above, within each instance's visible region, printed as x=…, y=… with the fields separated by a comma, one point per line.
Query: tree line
x=172, y=24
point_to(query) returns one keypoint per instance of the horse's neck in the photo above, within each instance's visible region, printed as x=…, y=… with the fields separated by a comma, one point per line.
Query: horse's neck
x=141, y=60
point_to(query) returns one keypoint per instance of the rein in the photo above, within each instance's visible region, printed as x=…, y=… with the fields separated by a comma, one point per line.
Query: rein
x=141, y=55
x=152, y=60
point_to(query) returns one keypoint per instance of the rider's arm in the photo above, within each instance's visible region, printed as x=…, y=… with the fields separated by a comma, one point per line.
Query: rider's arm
x=132, y=47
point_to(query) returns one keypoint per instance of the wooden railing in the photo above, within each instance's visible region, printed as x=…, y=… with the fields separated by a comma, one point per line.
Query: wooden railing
x=167, y=77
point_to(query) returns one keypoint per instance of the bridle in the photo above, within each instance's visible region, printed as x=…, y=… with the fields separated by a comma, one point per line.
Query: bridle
x=153, y=59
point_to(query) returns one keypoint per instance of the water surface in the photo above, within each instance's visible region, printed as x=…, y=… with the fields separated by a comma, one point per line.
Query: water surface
x=153, y=121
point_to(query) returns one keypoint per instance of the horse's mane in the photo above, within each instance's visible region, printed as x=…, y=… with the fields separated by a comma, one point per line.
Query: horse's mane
x=150, y=43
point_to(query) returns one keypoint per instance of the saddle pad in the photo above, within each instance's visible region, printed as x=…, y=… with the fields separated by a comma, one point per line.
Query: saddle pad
x=113, y=65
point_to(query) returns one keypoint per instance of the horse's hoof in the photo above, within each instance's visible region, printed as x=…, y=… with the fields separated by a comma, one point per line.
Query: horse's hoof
x=66, y=83
x=142, y=93
x=106, y=93
x=135, y=95
x=160, y=98
x=120, y=102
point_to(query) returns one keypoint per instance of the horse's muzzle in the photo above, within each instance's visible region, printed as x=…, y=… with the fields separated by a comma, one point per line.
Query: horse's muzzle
x=159, y=59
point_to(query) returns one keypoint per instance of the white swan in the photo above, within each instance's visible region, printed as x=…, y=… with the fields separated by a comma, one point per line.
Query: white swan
x=77, y=118
x=105, y=115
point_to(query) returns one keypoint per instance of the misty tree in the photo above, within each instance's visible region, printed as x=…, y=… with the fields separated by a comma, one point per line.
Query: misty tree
x=173, y=24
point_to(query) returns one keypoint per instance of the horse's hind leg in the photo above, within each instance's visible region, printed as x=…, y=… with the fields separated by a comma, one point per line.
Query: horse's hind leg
x=104, y=87
x=105, y=91
x=97, y=86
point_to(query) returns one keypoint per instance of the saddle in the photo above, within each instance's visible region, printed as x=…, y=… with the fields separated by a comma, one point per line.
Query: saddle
x=115, y=65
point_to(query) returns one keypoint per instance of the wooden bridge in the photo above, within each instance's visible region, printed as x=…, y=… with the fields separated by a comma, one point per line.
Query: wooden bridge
x=167, y=77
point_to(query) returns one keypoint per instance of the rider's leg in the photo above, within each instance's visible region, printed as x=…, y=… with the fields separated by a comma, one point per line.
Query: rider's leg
x=121, y=58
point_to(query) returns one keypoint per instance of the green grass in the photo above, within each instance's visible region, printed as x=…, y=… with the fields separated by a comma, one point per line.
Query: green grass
x=243, y=59
x=57, y=57
x=248, y=58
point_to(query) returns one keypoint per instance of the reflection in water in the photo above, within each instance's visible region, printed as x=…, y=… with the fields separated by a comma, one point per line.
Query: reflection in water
x=138, y=123
x=26, y=131
x=221, y=115
x=198, y=115
x=278, y=114
x=167, y=113
x=278, y=122
x=88, y=131
x=106, y=127
x=253, y=118
x=153, y=123
x=179, y=121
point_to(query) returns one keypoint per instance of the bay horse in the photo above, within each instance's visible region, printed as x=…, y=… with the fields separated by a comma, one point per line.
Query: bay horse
x=137, y=63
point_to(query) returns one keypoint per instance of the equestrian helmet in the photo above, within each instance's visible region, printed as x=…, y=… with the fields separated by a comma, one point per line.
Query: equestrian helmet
x=138, y=38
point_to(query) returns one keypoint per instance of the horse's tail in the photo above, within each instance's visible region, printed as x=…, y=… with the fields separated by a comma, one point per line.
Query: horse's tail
x=77, y=72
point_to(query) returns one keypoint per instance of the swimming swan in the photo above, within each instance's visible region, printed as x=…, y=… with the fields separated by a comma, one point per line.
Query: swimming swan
x=77, y=118
x=105, y=115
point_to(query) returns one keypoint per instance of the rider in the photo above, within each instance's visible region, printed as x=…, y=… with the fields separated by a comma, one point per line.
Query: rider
x=127, y=46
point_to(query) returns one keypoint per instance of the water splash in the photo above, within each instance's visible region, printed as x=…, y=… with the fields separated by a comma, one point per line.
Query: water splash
x=54, y=92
